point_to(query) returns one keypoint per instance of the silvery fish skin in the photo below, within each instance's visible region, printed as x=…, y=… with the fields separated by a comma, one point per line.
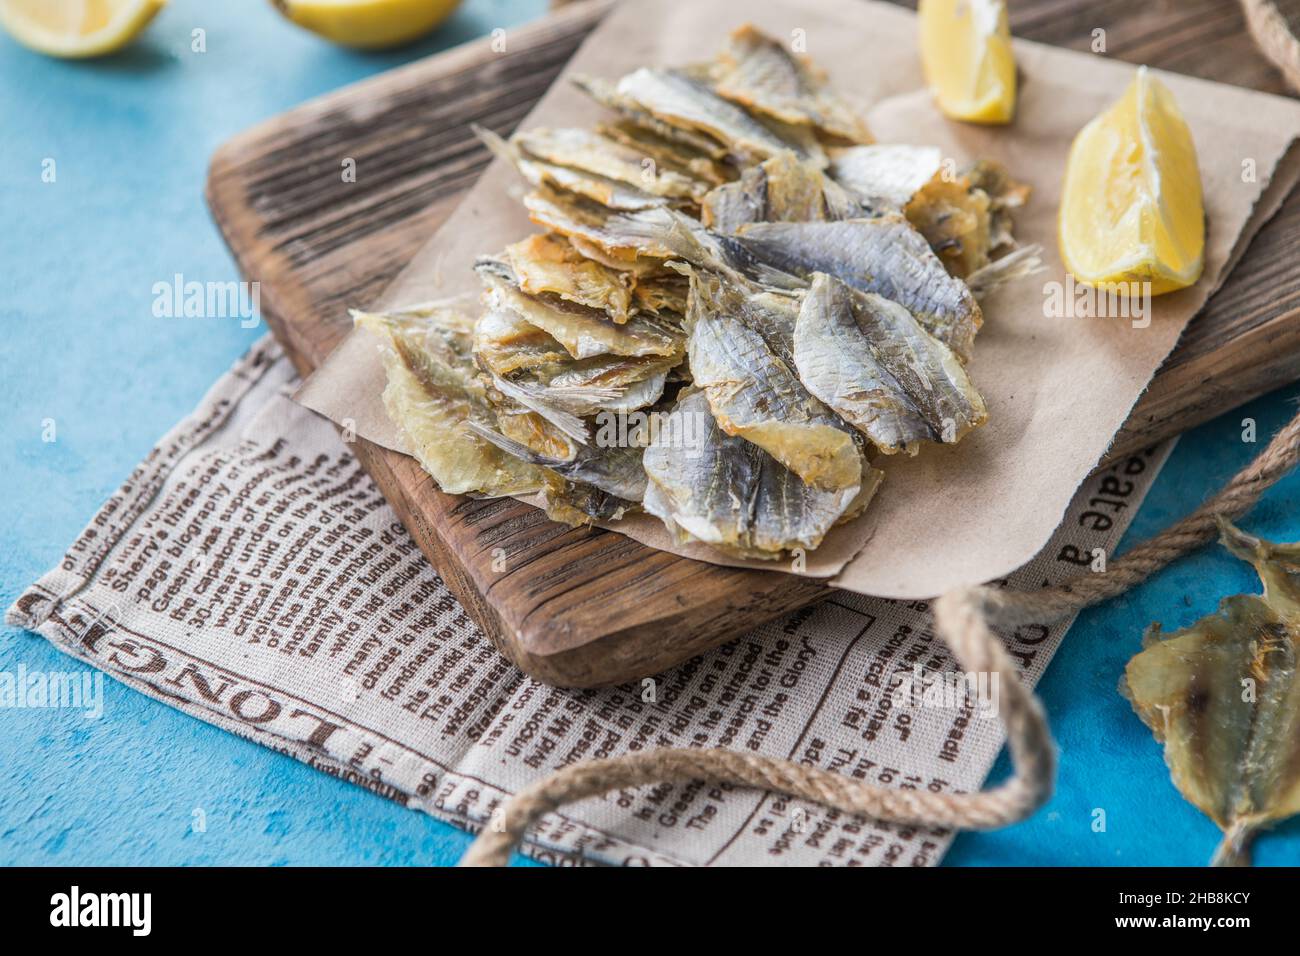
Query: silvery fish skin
x=728, y=493
x=871, y=361
x=582, y=332
x=432, y=395
x=780, y=189
x=758, y=72
x=755, y=395
x=607, y=383
x=965, y=216
x=598, y=155
x=592, y=228
x=610, y=193
x=686, y=103
x=616, y=471
x=886, y=256
x=607, y=94
x=886, y=175
x=1232, y=754
x=668, y=153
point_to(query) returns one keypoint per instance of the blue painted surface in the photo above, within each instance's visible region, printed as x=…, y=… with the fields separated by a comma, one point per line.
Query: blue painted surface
x=131, y=137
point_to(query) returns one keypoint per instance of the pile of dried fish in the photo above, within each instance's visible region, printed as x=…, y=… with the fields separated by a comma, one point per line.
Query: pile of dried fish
x=739, y=302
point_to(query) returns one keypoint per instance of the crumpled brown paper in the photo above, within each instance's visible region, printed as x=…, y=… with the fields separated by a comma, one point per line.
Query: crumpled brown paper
x=1057, y=389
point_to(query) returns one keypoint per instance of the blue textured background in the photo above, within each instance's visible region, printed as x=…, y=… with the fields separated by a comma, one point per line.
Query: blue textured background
x=131, y=136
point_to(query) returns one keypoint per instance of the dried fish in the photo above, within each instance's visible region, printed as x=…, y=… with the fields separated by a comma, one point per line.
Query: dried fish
x=591, y=226
x=601, y=156
x=433, y=394
x=610, y=193
x=758, y=72
x=607, y=94
x=1224, y=698
x=505, y=344
x=575, y=504
x=755, y=395
x=964, y=216
x=685, y=103
x=582, y=331
x=885, y=255
x=886, y=175
x=780, y=189
x=549, y=264
x=728, y=493
x=667, y=153
x=616, y=471
x=871, y=361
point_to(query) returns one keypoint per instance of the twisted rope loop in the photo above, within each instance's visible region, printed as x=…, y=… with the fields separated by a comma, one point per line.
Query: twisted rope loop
x=964, y=618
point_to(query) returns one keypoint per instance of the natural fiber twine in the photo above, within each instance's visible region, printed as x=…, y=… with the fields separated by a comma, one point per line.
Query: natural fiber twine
x=964, y=619
x=1275, y=38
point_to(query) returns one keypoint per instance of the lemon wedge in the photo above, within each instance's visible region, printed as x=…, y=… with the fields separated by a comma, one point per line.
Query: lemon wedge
x=368, y=24
x=1131, y=208
x=967, y=58
x=77, y=28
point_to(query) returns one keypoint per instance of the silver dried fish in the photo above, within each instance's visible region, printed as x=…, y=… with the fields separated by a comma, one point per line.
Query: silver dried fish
x=726, y=492
x=885, y=255
x=758, y=72
x=871, y=361
x=755, y=395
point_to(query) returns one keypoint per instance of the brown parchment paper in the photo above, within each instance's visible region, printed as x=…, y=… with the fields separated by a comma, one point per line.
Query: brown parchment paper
x=1057, y=388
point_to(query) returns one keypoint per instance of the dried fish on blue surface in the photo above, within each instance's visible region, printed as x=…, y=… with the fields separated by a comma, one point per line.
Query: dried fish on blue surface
x=1223, y=696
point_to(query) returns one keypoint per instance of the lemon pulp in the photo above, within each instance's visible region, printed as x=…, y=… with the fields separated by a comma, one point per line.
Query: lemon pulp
x=77, y=28
x=1131, y=207
x=967, y=58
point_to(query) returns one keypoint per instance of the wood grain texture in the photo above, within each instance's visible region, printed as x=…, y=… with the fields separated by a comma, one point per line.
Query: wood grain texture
x=589, y=607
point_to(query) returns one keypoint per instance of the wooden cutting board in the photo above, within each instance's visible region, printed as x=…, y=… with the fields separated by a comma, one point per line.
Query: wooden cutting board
x=590, y=607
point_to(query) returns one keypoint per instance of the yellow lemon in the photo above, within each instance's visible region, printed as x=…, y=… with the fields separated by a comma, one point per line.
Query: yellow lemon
x=77, y=28
x=967, y=58
x=1131, y=208
x=368, y=24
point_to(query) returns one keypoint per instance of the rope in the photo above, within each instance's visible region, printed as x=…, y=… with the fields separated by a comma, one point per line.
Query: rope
x=964, y=618
x=1275, y=38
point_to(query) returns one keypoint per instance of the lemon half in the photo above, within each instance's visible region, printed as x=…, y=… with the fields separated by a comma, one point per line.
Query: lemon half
x=1131, y=207
x=77, y=28
x=368, y=24
x=967, y=58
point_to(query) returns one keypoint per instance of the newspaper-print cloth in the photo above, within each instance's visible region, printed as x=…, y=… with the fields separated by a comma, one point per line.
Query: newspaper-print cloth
x=249, y=573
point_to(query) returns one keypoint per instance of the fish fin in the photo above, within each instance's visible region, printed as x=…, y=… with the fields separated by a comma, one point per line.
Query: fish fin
x=1017, y=264
x=516, y=449
x=534, y=400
